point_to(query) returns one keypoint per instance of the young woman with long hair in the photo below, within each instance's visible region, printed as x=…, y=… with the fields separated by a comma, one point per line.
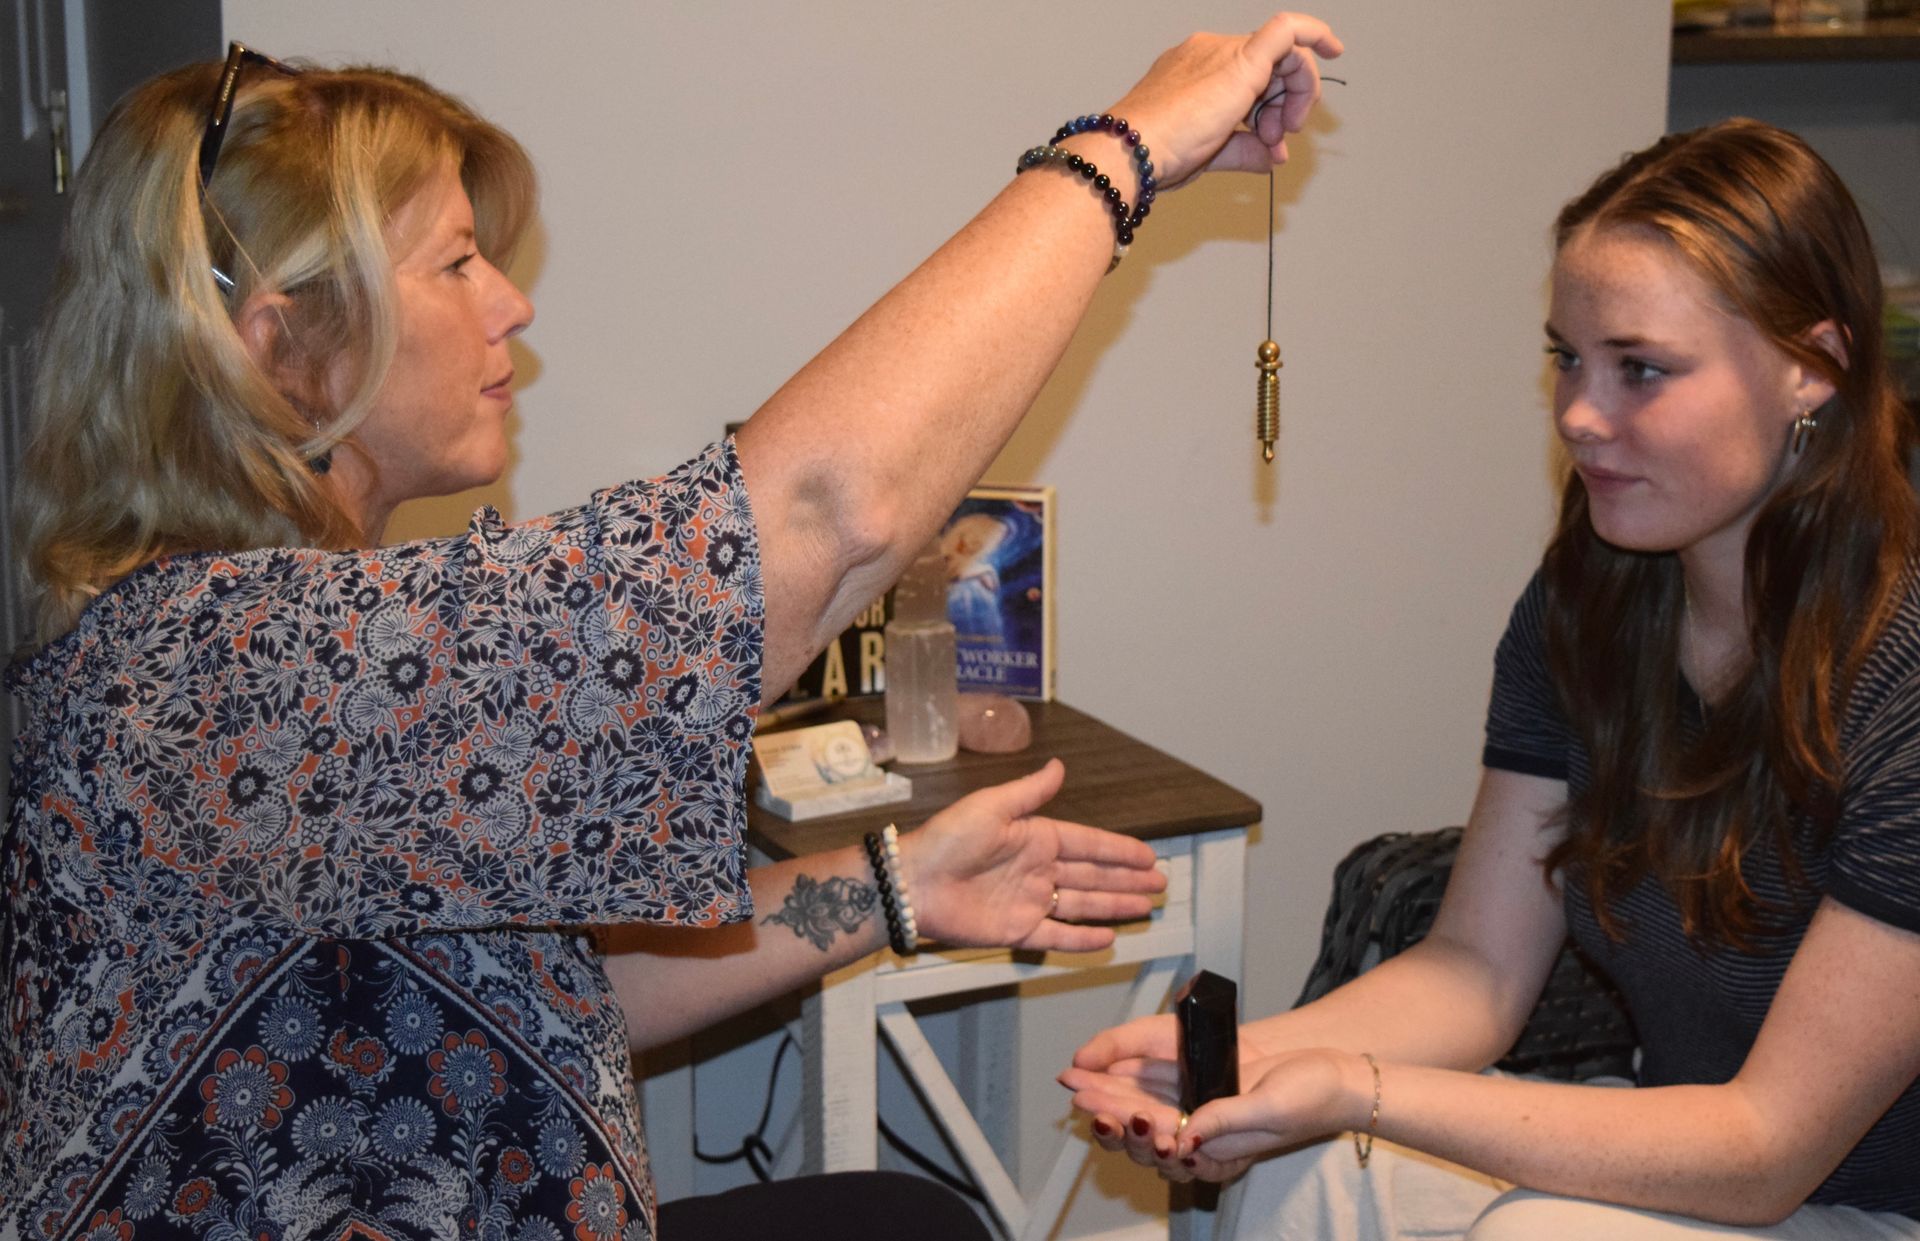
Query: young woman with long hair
x=1702, y=761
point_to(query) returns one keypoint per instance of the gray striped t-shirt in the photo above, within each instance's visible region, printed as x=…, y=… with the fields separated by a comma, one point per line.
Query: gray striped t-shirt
x=1698, y=1010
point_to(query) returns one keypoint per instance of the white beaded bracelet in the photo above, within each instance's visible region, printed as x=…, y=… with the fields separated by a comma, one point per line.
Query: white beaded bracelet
x=890, y=840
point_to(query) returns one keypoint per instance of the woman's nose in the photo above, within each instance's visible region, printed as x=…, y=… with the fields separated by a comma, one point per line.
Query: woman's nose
x=1580, y=421
x=512, y=311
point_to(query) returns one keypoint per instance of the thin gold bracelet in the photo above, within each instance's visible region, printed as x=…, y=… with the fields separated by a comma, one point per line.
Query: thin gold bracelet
x=1363, y=1143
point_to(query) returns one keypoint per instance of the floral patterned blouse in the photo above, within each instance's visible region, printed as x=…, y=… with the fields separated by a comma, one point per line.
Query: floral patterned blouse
x=300, y=849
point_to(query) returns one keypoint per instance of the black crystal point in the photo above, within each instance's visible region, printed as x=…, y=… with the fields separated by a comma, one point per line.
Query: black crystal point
x=1207, y=1011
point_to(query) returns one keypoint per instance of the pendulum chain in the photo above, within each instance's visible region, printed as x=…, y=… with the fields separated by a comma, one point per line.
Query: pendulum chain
x=1266, y=418
x=1266, y=421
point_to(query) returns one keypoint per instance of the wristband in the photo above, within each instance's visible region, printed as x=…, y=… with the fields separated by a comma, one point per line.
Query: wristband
x=902, y=934
x=1125, y=219
x=1363, y=1147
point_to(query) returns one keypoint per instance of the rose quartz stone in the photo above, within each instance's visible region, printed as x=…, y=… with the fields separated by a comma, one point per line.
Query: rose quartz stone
x=878, y=743
x=993, y=724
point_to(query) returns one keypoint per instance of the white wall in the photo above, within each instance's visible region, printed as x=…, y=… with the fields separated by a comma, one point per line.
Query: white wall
x=727, y=184
x=1862, y=116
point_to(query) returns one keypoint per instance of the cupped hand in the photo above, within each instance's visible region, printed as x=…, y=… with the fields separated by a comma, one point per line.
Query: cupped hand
x=1191, y=102
x=1128, y=1082
x=984, y=872
x=1133, y=1104
x=1296, y=1097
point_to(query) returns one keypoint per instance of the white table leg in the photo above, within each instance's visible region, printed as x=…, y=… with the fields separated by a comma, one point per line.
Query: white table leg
x=1219, y=902
x=839, y=1093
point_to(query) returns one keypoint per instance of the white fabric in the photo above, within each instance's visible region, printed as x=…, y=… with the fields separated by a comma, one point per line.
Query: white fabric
x=1319, y=1193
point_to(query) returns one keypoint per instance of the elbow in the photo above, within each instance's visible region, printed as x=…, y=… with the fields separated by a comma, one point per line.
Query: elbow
x=1773, y=1197
x=862, y=549
x=850, y=525
x=1489, y=1008
x=869, y=534
x=1764, y=1207
x=1771, y=1175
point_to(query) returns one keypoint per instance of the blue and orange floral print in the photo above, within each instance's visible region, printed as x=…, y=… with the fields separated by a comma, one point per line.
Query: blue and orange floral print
x=301, y=849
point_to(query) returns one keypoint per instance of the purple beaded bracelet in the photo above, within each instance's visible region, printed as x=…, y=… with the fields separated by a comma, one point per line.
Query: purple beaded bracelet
x=1125, y=219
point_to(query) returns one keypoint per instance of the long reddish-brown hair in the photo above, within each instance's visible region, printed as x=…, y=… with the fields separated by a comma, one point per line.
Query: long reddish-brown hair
x=1773, y=231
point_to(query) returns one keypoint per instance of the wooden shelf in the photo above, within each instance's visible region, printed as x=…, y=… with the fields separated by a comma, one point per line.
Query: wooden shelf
x=1882, y=38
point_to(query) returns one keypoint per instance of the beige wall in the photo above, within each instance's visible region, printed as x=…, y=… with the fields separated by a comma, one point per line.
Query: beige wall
x=727, y=184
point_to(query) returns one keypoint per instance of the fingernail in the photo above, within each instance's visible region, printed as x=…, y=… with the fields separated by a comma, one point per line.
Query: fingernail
x=1191, y=1162
x=1141, y=1125
x=1162, y=1152
x=1102, y=1128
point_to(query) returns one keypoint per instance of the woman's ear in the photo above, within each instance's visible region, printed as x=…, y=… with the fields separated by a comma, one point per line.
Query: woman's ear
x=268, y=336
x=262, y=324
x=1812, y=388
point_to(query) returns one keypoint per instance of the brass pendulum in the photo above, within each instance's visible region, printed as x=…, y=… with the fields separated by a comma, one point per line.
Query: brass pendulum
x=1266, y=418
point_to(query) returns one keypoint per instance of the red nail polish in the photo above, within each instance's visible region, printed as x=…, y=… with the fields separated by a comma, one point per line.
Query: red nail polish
x=1162, y=1152
x=1141, y=1125
x=1102, y=1128
x=1191, y=1162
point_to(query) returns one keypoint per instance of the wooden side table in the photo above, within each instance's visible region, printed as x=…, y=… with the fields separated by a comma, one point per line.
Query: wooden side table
x=1196, y=824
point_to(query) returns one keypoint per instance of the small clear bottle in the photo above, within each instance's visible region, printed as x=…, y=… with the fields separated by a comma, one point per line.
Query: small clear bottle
x=922, y=690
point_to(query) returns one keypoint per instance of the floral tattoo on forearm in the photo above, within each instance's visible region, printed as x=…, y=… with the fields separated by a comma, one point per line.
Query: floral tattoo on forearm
x=816, y=910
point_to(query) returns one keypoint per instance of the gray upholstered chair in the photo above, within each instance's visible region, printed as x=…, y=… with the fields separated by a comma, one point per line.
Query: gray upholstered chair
x=1385, y=894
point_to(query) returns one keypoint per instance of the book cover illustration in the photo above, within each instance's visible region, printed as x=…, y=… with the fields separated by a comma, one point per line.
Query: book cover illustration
x=998, y=547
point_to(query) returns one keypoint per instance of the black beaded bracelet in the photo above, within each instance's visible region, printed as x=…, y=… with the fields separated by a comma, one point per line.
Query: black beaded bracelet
x=1136, y=146
x=896, y=932
x=1125, y=219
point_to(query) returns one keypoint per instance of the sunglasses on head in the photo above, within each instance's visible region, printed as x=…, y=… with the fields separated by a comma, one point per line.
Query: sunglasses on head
x=220, y=112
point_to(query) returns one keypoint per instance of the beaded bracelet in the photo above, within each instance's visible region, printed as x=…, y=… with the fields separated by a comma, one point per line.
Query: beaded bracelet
x=1125, y=219
x=890, y=841
x=897, y=934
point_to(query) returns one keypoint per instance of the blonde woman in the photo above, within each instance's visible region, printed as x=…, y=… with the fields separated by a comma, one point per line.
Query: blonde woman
x=308, y=831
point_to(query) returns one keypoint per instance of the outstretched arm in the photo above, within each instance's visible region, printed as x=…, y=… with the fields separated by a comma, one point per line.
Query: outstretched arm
x=1456, y=999
x=854, y=462
x=981, y=873
x=1746, y=1152
x=1840, y=1044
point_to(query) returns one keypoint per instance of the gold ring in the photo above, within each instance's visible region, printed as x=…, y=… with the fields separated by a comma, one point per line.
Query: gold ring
x=1182, y=1126
x=1053, y=904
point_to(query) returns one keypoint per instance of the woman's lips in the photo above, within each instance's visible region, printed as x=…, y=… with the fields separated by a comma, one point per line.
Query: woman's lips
x=1604, y=481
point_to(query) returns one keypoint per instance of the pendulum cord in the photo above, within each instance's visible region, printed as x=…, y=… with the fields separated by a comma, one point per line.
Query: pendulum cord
x=1266, y=419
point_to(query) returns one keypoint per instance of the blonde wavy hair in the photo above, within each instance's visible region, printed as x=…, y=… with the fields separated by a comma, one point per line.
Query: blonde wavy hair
x=157, y=432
